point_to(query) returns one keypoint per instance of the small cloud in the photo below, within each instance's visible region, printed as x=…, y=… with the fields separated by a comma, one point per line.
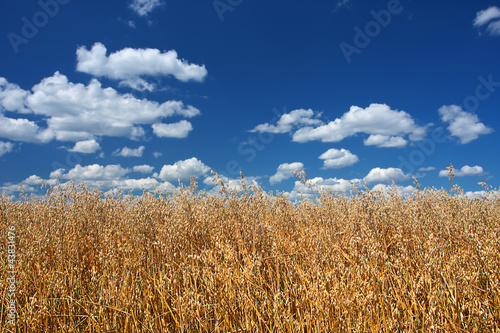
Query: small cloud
x=144, y=7
x=157, y=154
x=336, y=159
x=386, y=176
x=465, y=171
x=86, y=147
x=284, y=171
x=143, y=168
x=491, y=18
x=427, y=169
x=179, y=130
x=464, y=125
x=5, y=147
x=129, y=152
x=385, y=141
x=183, y=170
x=131, y=24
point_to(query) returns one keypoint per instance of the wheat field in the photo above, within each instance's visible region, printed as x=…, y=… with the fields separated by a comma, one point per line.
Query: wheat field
x=247, y=261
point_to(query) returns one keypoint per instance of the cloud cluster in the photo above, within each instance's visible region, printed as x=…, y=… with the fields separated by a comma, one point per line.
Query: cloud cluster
x=131, y=65
x=491, y=18
x=336, y=159
x=464, y=125
x=385, y=126
x=77, y=112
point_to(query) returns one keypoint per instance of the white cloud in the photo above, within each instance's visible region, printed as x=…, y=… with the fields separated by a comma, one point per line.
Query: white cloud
x=183, y=170
x=75, y=112
x=375, y=119
x=284, y=171
x=12, y=97
x=143, y=168
x=19, y=130
x=485, y=16
x=431, y=168
x=129, y=65
x=385, y=141
x=336, y=159
x=137, y=84
x=464, y=171
x=144, y=7
x=494, y=28
x=86, y=147
x=5, y=147
x=157, y=154
x=462, y=124
x=178, y=130
x=385, y=176
x=129, y=152
x=289, y=121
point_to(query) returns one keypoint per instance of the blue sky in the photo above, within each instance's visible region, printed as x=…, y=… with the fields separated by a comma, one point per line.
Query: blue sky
x=138, y=94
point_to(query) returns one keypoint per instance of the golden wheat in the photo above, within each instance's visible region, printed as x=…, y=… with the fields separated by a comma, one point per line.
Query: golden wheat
x=249, y=262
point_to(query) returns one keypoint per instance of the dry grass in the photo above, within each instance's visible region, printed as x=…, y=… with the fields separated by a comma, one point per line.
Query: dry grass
x=245, y=262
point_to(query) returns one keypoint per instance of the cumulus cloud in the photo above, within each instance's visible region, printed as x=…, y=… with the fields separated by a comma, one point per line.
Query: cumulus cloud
x=5, y=147
x=75, y=112
x=336, y=159
x=130, y=65
x=375, y=119
x=143, y=168
x=284, y=171
x=464, y=171
x=12, y=97
x=385, y=141
x=464, y=125
x=157, y=154
x=183, y=170
x=129, y=152
x=385, y=176
x=290, y=121
x=86, y=147
x=20, y=130
x=144, y=7
x=178, y=130
x=489, y=17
